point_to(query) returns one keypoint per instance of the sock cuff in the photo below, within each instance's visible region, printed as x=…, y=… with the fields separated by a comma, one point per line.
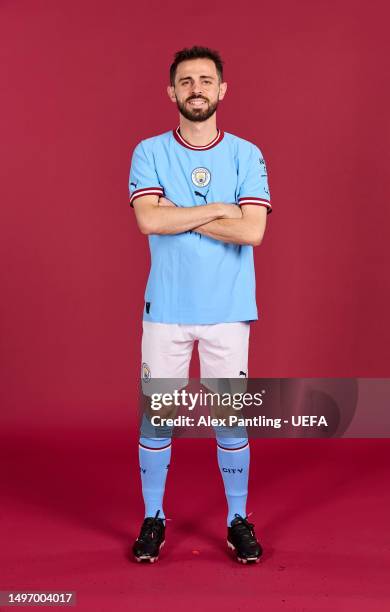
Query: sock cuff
x=155, y=444
x=232, y=444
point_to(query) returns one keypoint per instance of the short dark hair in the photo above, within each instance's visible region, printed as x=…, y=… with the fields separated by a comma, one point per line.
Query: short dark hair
x=196, y=52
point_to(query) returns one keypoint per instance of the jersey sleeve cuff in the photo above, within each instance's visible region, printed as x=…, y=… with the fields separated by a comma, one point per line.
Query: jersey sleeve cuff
x=256, y=201
x=145, y=191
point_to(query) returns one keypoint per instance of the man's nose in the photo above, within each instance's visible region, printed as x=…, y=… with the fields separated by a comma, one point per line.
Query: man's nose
x=197, y=89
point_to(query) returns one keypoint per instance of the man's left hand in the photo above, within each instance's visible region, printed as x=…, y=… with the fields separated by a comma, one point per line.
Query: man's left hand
x=165, y=202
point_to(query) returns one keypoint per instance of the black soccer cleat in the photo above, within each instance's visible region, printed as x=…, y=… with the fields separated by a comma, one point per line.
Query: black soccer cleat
x=150, y=540
x=241, y=537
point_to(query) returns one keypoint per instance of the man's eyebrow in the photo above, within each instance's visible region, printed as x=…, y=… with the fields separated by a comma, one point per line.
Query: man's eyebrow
x=202, y=76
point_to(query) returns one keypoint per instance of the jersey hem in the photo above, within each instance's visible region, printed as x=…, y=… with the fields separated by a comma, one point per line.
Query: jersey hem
x=205, y=321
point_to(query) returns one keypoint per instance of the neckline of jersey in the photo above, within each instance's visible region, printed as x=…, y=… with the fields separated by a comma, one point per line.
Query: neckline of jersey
x=185, y=143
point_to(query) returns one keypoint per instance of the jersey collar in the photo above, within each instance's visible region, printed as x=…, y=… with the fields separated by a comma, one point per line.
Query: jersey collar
x=185, y=143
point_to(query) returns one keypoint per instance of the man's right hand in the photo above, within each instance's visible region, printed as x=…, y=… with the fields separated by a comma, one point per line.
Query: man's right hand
x=231, y=211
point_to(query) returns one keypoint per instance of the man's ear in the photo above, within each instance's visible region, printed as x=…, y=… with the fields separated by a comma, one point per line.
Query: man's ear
x=171, y=93
x=222, y=90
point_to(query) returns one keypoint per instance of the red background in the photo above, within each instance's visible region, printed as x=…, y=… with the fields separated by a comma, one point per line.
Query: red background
x=83, y=82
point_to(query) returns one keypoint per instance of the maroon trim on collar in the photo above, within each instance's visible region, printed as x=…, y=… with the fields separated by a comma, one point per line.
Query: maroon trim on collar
x=185, y=143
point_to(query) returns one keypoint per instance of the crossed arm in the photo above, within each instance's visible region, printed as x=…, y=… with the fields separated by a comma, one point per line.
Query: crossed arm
x=238, y=225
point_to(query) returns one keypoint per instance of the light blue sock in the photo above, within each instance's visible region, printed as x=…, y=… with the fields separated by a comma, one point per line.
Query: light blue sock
x=154, y=458
x=233, y=460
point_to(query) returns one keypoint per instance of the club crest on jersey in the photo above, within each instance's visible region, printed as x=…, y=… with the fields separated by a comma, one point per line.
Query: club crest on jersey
x=201, y=177
x=146, y=375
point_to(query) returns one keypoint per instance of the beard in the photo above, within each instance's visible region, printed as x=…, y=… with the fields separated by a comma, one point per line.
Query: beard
x=196, y=114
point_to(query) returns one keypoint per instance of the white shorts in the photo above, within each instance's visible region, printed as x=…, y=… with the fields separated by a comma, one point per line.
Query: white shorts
x=166, y=354
x=167, y=349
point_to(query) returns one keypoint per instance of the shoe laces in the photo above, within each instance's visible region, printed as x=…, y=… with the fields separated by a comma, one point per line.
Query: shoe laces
x=244, y=527
x=151, y=526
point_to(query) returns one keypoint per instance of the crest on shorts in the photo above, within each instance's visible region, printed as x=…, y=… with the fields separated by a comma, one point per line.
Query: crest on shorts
x=201, y=177
x=146, y=375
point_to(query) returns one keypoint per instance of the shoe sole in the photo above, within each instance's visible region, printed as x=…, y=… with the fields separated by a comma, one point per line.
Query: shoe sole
x=148, y=557
x=240, y=559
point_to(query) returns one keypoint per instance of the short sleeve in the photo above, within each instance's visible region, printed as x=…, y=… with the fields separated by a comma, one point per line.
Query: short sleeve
x=143, y=178
x=254, y=188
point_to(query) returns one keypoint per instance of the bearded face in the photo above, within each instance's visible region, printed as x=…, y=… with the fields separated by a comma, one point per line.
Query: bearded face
x=197, y=108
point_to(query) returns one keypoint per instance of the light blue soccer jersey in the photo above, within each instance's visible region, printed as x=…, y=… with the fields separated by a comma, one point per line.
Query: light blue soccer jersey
x=195, y=279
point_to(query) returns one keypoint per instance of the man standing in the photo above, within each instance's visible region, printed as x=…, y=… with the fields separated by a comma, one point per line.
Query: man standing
x=201, y=195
